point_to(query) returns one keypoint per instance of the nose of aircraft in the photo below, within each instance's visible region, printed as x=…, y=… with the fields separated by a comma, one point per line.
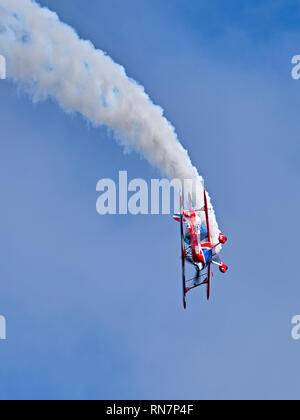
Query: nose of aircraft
x=200, y=266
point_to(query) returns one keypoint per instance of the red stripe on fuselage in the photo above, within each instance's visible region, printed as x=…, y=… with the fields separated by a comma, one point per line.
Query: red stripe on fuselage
x=207, y=245
x=197, y=252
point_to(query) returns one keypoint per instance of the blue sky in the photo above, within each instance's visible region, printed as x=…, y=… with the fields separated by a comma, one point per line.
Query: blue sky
x=93, y=304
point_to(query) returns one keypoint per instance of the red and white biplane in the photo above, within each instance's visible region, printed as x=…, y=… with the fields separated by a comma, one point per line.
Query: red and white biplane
x=197, y=247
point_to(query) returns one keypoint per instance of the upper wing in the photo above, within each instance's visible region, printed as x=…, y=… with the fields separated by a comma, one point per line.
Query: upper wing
x=182, y=252
x=207, y=217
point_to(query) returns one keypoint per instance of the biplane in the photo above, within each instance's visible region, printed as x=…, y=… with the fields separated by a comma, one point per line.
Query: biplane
x=197, y=247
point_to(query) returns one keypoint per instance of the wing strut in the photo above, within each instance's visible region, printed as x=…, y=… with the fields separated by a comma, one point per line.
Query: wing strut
x=208, y=281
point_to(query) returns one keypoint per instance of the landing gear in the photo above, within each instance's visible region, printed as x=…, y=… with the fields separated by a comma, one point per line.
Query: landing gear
x=223, y=268
x=222, y=239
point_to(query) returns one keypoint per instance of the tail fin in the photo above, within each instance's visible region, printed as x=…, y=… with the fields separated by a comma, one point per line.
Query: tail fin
x=176, y=217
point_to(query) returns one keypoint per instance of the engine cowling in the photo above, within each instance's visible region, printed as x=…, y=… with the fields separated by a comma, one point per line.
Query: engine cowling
x=222, y=238
x=223, y=268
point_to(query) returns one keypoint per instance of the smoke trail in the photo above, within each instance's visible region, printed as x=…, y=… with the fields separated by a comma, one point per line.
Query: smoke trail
x=47, y=57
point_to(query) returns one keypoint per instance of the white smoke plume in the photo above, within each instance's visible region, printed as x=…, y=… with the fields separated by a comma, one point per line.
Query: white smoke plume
x=48, y=59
